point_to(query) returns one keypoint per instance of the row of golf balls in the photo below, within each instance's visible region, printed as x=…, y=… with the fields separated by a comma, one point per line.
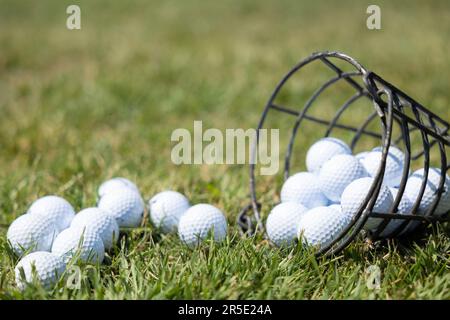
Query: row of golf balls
x=317, y=205
x=51, y=234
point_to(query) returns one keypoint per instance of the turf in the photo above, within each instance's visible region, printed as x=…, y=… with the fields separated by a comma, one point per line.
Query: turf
x=78, y=107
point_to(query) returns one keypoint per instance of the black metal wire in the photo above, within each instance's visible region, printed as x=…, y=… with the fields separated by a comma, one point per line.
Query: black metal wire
x=433, y=131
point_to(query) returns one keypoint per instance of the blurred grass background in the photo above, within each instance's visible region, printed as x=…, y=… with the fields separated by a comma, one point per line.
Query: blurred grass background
x=78, y=107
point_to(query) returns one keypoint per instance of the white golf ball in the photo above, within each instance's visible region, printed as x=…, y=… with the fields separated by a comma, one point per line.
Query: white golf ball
x=282, y=222
x=48, y=269
x=394, y=165
x=59, y=210
x=29, y=233
x=82, y=243
x=125, y=205
x=354, y=195
x=336, y=207
x=404, y=207
x=414, y=183
x=198, y=221
x=337, y=173
x=116, y=184
x=323, y=150
x=304, y=188
x=320, y=226
x=166, y=209
x=99, y=221
x=360, y=156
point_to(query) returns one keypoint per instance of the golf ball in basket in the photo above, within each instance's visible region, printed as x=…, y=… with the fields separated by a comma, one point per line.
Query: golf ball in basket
x=29, y=233
x=355, y=194
x=125, y=205
x=99, y=221
x=82, y=243
x=166, y=209
x=282, y=222
x=337, y=173
x=414, y=183
x=116, y=184
x=323, y=150
x=404, y=207
x=48, y=268
x=198, y=221
x=304, y=188
x=394, y=165
x=59, y=210
x=320, y=226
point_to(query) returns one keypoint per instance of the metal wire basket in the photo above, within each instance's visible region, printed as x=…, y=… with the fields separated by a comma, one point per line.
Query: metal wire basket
x=390, y=107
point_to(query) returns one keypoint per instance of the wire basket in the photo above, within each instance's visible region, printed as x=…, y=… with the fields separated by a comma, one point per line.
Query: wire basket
x=400, y=120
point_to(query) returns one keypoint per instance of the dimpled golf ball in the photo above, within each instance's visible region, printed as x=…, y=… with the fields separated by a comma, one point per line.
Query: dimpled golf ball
x=414, y=183
x=393, y=170
x=199, y=221
x=97, y=220
x=82, y=243
x=337, y=173
x=59, y=210
x=42, y=267
x=29, y=233
x=304, y=188
x=320, y=226
x=404, y=207
x=166, y=209
x=116, y=184
x=323, y=150
x=282, y=222
x=355, y=194
x=125, y=205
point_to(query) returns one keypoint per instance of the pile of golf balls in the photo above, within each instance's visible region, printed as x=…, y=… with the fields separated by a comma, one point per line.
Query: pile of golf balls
x=50, y=235
x=317, y=205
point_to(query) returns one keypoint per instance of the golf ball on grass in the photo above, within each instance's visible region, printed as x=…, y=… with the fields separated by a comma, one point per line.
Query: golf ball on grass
x=282, y=222
x=79, y=242
x=320, y=226
x=116, y=184
x=166, y=209
x=42, y=267
x=337, y=173
x=323, y=150
x=355, y=194
x=97, y=220
x=304, y=188
x=394, y=165
x=55, y=208
x=199, y=221
x=29, y=233
x=125, y=205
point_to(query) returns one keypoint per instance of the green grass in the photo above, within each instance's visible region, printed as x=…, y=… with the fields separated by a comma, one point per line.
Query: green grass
x=78, y=107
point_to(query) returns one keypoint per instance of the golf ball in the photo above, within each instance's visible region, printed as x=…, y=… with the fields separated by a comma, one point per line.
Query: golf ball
x=116, y=184
x=413, y=186
x=323, y=150
x=320, y=226
x=355, y=194
x=360, y=156
x=337, y=173
x=47, y=267
x=282, y=222
x=394, y=165
x=304, y=188
x=55, y=208
x=404, y=207
x=199, y=221
x=29, y=233
x=166, y=209
x=96, y=220
x=125, y=205
x=82, y=243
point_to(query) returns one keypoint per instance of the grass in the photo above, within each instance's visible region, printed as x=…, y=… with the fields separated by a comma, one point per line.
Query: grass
x=81, y=106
